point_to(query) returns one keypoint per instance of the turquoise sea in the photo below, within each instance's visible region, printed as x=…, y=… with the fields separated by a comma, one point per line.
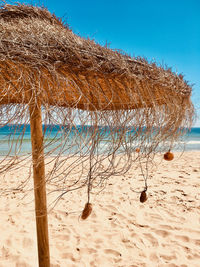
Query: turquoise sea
x=11, y=141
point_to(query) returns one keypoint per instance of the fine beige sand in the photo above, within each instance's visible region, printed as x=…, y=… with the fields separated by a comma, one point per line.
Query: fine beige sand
x=121, y=231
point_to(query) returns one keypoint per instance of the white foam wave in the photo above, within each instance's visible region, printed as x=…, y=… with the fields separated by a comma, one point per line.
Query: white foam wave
x=193, y=142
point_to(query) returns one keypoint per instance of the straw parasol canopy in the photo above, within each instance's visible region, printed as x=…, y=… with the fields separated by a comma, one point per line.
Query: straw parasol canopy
x=87, y=75
x=44, y=66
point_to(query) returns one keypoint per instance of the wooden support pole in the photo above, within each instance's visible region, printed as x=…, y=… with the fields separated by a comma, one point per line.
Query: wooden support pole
x=39, y=185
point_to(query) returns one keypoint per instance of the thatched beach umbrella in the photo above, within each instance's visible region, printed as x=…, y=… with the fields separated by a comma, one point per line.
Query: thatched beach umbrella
x=43, y=64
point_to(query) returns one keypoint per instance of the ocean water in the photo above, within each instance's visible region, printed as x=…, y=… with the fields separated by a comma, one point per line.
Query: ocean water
x=12, y=143
x=192, y=140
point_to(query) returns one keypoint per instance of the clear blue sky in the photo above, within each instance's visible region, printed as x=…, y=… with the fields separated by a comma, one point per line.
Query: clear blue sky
x=167, y=31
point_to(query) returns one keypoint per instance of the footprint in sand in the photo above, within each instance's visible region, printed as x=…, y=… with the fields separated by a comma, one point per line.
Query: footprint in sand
x=22, y=264
x=98, y=243
x=151, y=239
x=114, y=224
x=196, y=256
x=109, y=208
x=112, y=252
x=27, y=242
x=8, y=242
x=154, y=216
x=167, y=227
x=153, y=257
x=68, y=256
x=89, y=251
x=168, y=257
x=182, y=238
x=96, y=263
x=120, y=216
x=162, y=233
x=197, y=242
x=62, y=237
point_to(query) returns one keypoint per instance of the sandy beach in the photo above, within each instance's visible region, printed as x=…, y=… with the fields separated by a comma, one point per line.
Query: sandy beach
x=121, y=231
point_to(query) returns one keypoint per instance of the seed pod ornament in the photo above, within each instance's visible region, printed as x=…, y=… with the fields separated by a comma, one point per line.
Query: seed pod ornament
x=143, y=196
x=137, y=150
x=169, y=156
x=87, y=211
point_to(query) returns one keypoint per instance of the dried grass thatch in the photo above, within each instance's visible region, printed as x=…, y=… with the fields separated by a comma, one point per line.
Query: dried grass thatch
x=36, y=46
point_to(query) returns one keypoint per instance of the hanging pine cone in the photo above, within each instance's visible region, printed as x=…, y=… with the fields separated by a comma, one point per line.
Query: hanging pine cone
x=169, y=156
x=137, y=150
x=87, y=211
x=143, y=196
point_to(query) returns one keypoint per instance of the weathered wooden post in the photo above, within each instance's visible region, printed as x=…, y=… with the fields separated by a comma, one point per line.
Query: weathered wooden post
x=39, y=184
